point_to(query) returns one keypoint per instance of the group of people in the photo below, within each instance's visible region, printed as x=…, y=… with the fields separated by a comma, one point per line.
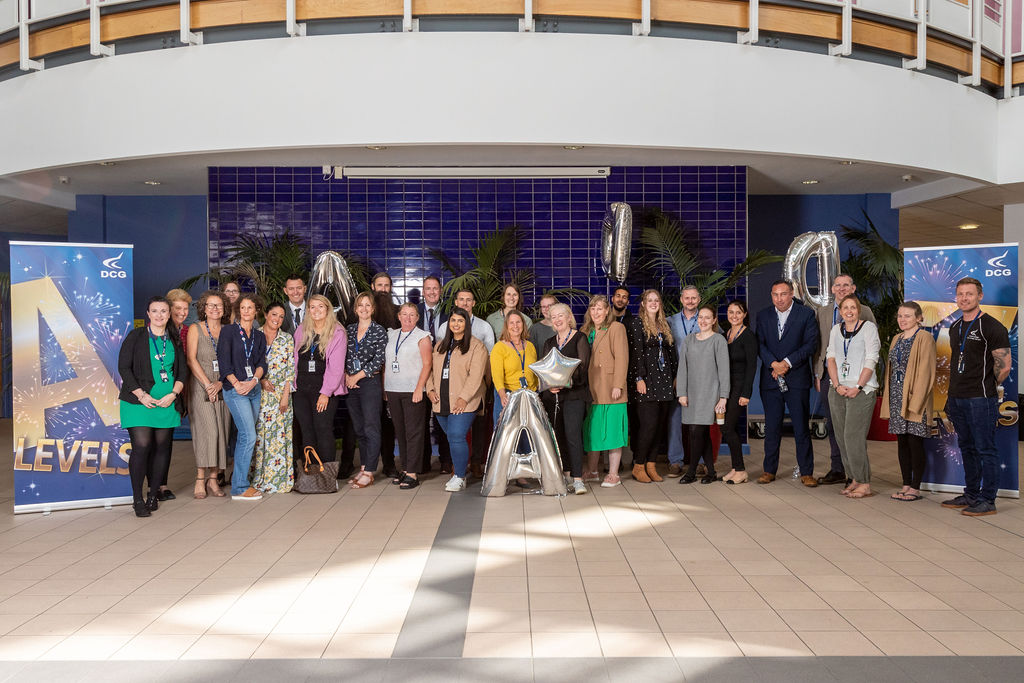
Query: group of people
x=268, y=394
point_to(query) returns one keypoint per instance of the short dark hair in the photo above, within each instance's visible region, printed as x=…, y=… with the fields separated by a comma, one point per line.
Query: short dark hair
x=742, y=305
x=158, y=299
x=294, y=276
x=850, y=297
x=913, y=306
x=470, y=292
x=250, y=296
x=624, y=288
x=970, y=281
x=434, y=278
x=380, y=275
x=783, y=281
x=273, y=305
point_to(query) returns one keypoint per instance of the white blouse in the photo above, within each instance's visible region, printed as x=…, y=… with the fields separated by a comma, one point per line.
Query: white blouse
x=861, y=351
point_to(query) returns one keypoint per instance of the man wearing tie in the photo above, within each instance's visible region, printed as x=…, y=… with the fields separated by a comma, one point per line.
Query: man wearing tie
x=788, y=334
x=431, y=319
x=295, y=310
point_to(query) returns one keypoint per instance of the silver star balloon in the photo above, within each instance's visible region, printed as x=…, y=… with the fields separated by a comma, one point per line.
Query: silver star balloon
x=554, y=370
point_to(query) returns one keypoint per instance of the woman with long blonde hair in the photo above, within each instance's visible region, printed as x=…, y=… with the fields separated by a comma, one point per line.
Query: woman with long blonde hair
x=652, y=368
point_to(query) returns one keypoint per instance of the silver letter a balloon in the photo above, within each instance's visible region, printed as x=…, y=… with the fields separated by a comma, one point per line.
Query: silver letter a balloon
x=821, y=245
x=524, y=414
x=331, y=277
x=617, y=241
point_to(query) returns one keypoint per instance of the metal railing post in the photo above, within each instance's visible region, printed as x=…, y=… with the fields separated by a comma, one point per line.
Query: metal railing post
x=749, y=37
x=187, y=36
x=24, y=63
x=974, y=78
x=96, y=48
x=643, y=27
x=408, y=23
x=845, y=46
x=526, y=24
x=920, y=61
x=1007, y=49
x=292, y=25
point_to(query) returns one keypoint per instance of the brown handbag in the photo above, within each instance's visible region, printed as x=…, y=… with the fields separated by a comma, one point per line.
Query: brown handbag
x=316, y=477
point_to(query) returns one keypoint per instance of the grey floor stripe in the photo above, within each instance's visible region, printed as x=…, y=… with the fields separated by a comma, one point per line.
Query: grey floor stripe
x=435, y=625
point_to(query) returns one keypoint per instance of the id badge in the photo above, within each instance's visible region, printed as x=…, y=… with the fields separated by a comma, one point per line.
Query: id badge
x=522, y=382
x=216, y=366
x=163, y=376
x=312, y=366
x=248, y=372
x=444, y=374
x=394, y=366
x=845, y=368
x=356, y=365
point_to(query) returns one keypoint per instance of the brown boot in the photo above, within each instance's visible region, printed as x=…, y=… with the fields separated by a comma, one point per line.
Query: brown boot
x=640, y=474
x=652, y=472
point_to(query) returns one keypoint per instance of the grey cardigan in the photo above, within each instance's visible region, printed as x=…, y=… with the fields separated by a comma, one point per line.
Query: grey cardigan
x=703, y=377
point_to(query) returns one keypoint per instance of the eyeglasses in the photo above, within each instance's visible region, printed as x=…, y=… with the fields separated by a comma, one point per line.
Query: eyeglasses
x=214, y=306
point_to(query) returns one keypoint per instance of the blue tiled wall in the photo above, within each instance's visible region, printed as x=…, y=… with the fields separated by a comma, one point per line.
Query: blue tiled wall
x=396, y=222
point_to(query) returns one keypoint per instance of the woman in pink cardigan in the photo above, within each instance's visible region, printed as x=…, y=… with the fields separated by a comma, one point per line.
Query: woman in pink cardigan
x=320, y=345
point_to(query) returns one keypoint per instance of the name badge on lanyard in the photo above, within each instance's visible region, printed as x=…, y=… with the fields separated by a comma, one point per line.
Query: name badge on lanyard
x=312, y=357
x=312, y=365
x=209, y=335
x=447, y=360
x=248, y=372
x=164, y=377
x=216, y=366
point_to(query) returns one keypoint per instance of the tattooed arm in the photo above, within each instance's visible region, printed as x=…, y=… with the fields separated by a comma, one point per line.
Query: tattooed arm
x=1001, y=363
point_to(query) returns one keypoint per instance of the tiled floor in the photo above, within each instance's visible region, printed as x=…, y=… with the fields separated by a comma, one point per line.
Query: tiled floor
x=660, y=581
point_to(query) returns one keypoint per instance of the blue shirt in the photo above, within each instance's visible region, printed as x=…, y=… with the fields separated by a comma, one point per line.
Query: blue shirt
x=231, y=353
x=682, y=327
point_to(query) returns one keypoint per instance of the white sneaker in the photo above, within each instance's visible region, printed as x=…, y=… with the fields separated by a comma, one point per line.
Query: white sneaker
x=250, y=494
x=579, y=488
x=456, y=483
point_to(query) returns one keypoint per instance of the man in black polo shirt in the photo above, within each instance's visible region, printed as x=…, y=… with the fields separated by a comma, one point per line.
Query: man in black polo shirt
x=980, y=361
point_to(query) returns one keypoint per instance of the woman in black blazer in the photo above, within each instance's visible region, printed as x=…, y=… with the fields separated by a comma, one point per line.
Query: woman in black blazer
x=153, y=371
x=742, y=368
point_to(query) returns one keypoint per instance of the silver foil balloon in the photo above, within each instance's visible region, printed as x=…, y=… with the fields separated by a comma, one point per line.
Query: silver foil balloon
x=523, y=414
x=331, y=277
x=555, y=370
x=617, y=241
x=821, y=245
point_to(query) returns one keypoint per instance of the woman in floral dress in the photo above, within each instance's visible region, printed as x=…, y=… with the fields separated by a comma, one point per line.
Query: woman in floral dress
x=272, y=464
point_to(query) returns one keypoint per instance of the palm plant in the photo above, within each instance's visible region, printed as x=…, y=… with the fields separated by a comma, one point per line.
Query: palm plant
x=491, y=268
x=667, y=251
x=877, y=268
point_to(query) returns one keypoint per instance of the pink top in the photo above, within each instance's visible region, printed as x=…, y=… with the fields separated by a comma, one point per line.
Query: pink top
x=334, y=373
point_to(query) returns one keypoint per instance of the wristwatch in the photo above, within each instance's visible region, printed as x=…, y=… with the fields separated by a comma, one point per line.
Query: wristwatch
x=860, y=387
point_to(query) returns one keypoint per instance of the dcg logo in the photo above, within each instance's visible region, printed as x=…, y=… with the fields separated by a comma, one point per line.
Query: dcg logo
x=114, y=267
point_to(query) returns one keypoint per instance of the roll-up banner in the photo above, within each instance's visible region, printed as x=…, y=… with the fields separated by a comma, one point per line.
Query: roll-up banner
x=930, y=276
x=71, y=307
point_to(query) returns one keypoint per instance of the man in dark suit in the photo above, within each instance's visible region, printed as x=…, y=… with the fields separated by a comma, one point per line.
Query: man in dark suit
x=842, y=286
x=431, y=319
x=295, y=309
x=788, y=333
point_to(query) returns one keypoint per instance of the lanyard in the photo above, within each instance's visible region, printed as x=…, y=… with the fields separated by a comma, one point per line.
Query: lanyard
x=835, y=315
x=209, y=335
x=314, y=346
x=247, y=349
x=661, y=352
x=448, y=356
x=522, y=358
x=899, y=350
x=399, y=341
x=848, y=340
x=162, y=356
x=688, y=329
x=963, y=340
x=562, y=345
x=732, y=338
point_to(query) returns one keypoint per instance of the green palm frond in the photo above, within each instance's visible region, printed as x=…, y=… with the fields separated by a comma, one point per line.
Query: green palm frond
x=881, y=259
x=667, y=247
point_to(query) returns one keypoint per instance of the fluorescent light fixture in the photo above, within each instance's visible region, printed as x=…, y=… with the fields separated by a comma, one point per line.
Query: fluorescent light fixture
x=472, y=171
x=151, y=182
x=969, y=226
x=809, y=182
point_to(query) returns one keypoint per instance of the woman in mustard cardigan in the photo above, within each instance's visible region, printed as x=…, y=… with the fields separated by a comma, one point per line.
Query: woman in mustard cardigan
x=910, y=380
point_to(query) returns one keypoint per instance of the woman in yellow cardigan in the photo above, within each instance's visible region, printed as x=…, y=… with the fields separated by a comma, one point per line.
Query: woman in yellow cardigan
x=910, y=379
x=510, y=361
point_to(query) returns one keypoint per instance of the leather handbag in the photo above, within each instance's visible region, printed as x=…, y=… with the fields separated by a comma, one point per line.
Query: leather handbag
x=316, y=476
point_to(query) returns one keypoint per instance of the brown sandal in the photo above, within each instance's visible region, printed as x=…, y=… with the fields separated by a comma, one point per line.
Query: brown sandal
x=213, y=487
x=362, y=476
x=200, y=492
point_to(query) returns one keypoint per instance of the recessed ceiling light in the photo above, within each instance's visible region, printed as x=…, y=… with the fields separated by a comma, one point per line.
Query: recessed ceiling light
x=572, y=148
x=847, y=162
x=809, y=182
x=107, y=163
x=969, y=226
x=151, y=182
x=376, y=148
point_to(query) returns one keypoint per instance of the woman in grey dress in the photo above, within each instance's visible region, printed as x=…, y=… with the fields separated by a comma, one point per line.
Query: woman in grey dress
x=208, y=414
x=702, y=385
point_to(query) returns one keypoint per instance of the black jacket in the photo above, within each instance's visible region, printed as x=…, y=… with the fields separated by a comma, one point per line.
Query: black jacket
x=136, y=370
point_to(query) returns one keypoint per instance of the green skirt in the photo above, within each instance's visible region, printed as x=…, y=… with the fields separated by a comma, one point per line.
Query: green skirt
x=137, y=415
x=606, y=427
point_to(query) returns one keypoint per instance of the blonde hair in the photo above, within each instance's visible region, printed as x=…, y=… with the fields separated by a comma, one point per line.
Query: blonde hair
x=588, y=322
x=660, y=323
x=412, y=307
x=504, y=333
x=571, y=319
x=179, y=295
x=330, y=327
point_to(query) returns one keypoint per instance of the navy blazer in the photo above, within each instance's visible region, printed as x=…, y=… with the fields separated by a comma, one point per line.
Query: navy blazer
x=442, y=317
x=799, y=343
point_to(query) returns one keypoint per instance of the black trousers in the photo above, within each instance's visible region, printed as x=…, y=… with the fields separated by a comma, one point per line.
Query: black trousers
x=567, y=420
x=150, y=459
x=700, y=441
x=910, y=450
x=732, y=433
x=387, y=439
x=410, y=429
x=652, y=420
x=315, y=429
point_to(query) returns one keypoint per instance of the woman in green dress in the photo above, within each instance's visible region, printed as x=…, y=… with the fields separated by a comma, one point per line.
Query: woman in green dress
x=274, y=472
x=606, y=427
x=153, y=373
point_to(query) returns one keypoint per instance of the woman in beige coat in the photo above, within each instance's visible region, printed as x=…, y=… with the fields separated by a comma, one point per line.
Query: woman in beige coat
x=456, y=389
x=606, y=427
x=910, y=379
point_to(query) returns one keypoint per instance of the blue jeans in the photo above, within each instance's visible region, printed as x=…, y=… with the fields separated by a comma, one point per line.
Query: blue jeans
x=455, y=429
x=676, y=455
x=244, y=412
x=975, y=422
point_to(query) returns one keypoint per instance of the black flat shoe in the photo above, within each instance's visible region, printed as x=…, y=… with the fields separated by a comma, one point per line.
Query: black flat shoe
x=832, y=477
x=165, y=494
x=140, y=509
x=709, y=478
x=409, y=483
x=152, y=504
x=687, y=478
